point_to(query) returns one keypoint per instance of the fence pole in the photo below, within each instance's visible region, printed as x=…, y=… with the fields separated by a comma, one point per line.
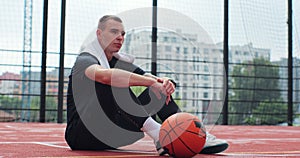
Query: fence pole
x=225, y=60
x=154, y=39
x=290, y=64
x=61, y=63
x=43, y=66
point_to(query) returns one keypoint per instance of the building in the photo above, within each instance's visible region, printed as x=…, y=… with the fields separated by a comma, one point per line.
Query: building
x=10, y=84
x=239, y=54
x=197, y=67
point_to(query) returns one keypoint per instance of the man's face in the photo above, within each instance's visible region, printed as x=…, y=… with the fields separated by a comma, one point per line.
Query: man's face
x=112, y=36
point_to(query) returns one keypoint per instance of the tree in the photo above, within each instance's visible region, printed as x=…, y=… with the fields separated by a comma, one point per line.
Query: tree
x=270, y=117
x=11, y=105
x=251, y=84
x=51, y=107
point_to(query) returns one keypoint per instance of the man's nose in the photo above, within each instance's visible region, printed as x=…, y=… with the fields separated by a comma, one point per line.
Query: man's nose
x=120, y=37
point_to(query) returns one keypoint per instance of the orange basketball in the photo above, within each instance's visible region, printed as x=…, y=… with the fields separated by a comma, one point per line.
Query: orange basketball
x=182, y=135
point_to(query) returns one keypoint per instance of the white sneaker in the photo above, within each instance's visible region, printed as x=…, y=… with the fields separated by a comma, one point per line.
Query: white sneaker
x=161, y=151
x=213, y=145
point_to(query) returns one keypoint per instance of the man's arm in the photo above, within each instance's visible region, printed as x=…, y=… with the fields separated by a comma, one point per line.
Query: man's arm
x=162, y=78
x=168, y=83
x=121, y=78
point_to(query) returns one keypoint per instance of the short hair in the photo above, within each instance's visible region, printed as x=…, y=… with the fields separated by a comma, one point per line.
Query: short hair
x=105, y=18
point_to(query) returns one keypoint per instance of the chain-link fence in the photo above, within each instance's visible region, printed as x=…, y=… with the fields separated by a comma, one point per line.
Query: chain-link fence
x=235, y=62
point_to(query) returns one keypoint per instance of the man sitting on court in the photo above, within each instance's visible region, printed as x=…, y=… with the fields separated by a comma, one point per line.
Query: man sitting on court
x=102, y=111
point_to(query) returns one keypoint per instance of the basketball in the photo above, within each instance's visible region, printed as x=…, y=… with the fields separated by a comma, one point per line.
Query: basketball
x=182, y=135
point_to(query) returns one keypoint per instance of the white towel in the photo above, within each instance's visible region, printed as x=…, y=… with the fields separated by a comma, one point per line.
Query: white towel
x=96, y=50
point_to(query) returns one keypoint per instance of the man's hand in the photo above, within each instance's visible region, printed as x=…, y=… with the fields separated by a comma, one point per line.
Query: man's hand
x=158, y=88
x=169, y=87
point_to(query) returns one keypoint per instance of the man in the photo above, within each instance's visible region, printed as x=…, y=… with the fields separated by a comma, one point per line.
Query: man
x=102, y=111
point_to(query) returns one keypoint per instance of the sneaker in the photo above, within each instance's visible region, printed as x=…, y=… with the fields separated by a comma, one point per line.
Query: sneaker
x=161, y=151
x=213, y=145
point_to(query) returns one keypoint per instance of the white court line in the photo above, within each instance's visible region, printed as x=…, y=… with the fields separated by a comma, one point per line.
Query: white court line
x=266, y=154
x=243, y=154
x=134, y=151
x=51, y=144
x=255, y=139
x=261, y=140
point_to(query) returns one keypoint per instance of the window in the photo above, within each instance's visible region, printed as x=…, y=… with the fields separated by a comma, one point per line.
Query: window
x=184, y=96
x=256, y=54
x=246, y=53
x=184, y=86
x=205, y=68
x=205, y=86
x=205, y=77
x=205, y=50
x=177, y=49
x=174, y=40
x=166, y=39
x=185, y=50
x=194, y=50
x=168, y=48
x=205, y=94
x=176, y=94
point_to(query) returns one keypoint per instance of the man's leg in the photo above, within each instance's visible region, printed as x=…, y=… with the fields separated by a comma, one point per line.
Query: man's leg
x=156, y=106
x=140, y=121
x=80, y=138
x=212, y=145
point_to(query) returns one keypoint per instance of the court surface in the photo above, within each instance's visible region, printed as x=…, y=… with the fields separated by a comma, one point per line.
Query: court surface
x=47, y=140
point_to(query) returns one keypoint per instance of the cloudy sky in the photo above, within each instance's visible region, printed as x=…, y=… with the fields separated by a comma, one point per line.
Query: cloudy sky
x=262, y=23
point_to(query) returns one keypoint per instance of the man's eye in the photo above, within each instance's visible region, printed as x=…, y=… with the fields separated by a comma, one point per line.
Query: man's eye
x=114, y=32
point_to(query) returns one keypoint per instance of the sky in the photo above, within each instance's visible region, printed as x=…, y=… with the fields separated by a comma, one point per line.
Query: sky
x=262, y=23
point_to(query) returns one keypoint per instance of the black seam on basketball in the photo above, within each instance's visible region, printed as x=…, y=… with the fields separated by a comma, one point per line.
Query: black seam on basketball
x=173, y=155
x=171, y=130
x=178, y=137
x=203, y=136
x=187, y=146
x=163, y=139
x=167, y=132
x=177, y=125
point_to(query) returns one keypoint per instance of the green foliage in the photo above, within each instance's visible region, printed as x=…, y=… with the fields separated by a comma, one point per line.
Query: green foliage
x=51, y=107
x=13, y=105
x=8, y=104
x=274, y=113
x=137, y=90
x=253, y=83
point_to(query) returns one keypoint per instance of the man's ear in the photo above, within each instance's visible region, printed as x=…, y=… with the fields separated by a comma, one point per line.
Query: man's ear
x=98, y=32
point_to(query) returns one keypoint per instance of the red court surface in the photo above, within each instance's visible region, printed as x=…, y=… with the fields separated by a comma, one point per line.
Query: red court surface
x=47, y=140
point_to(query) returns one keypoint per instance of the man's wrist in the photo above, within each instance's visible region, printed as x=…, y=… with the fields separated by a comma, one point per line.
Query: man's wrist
x=175, y=84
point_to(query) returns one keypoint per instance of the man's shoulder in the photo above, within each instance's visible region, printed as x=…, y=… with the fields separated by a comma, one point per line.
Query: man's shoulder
x=85, y=56
x=84, y=60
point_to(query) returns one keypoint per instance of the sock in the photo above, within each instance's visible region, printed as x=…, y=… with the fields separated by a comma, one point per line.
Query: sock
x=151, y=128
